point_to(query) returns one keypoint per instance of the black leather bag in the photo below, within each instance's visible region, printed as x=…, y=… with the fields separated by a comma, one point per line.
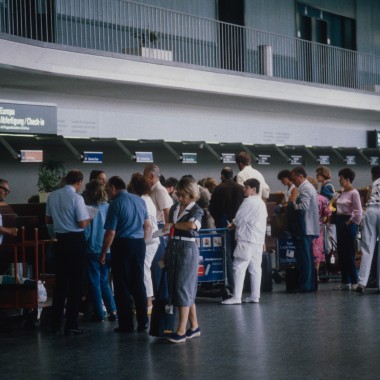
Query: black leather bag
x=163, y=314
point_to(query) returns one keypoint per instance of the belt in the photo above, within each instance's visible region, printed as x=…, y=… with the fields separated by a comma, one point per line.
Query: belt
x=183, y=238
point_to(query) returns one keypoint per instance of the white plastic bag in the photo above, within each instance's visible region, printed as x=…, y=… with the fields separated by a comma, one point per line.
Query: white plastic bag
x=42, y=293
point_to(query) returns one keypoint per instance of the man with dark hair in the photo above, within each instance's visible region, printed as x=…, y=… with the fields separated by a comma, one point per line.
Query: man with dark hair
x=243, y=161
x=306, y=215
x=127, y=227
x=224, y=203
x=170, y=185
x=66, y=210
x=250, y=224
x=370, y=232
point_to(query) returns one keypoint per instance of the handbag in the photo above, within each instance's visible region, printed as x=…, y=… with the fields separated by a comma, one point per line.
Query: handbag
x=332, y=208
x=163, y=313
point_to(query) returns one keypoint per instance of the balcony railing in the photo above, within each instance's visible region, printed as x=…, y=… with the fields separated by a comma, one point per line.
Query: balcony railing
x=124, y=27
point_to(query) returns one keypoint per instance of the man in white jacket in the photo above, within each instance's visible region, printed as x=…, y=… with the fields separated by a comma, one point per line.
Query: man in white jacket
x=250, y=223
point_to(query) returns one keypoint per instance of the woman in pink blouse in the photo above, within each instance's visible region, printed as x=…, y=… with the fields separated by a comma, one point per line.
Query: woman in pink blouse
x=349, y=214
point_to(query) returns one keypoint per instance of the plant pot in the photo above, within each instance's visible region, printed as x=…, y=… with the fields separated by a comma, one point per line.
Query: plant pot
x=43, y=196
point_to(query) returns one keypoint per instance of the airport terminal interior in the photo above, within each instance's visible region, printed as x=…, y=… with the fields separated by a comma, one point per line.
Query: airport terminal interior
x=113, y=85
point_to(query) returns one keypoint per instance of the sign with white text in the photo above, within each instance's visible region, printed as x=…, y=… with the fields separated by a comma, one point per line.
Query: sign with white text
x=92, y=157
x=189, y=158
x=31, y=156
x=228, y=158
x=144, y=157
x=263, y=159
x=28, y=118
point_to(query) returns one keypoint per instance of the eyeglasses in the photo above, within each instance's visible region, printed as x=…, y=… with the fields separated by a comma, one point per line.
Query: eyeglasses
x=5, y=189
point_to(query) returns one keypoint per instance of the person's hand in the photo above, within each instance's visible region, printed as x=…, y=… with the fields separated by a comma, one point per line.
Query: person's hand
x=102, y=258
x=230, y=226
x=14, y=231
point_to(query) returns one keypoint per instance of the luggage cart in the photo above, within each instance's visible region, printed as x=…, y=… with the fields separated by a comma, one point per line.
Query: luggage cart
x=212, y=272
x=18, y=293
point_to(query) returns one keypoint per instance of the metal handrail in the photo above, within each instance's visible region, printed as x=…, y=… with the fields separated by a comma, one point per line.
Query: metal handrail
x=128, y=28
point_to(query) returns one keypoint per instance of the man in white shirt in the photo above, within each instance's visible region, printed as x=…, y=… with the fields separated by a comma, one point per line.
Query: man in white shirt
x=250, y=223
x=163, y=202
x=243, y=161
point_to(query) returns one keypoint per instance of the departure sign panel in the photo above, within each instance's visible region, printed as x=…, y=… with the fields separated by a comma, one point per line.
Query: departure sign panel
x=25, y=118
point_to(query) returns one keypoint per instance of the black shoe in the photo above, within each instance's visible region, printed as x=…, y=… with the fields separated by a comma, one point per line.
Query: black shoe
x=142, y=327
x=122, y=330
x=360, y=289
x=74, y=332
x=112, y=317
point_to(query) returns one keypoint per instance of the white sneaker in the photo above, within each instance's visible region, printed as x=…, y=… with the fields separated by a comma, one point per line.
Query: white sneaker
x=231, y=301
x=251, y=300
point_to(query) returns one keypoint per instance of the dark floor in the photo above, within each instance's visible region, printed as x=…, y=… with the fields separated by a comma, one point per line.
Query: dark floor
x=325, y=335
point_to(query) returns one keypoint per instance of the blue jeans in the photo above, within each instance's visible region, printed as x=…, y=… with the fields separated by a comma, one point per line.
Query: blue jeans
x=99, y=286
x=346, y=235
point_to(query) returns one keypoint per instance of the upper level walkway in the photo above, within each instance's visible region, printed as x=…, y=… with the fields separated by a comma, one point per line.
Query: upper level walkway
x=181, y=40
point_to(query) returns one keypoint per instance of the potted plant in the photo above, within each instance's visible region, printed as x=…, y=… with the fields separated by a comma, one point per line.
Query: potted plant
x=50, y=176
x=146, y=37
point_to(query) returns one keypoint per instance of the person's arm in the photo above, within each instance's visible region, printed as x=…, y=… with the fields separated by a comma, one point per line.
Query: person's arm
x=109, y=235
x=166, y=214
x=147, y=229
x=303, y=200
x=9, y=231
x=356, y=214
x=185, y=226
x=84, y=223
x=293, y=195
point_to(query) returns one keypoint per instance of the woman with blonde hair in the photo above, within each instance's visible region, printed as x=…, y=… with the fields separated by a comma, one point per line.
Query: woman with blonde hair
x=182, y=256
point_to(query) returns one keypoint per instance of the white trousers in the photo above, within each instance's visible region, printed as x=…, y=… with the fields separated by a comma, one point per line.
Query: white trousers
x=330, y=238
x=151, y=250
x=247, y=255
x=370, y=234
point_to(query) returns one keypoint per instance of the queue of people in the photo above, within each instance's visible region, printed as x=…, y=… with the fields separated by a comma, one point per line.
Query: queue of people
x=117, y=233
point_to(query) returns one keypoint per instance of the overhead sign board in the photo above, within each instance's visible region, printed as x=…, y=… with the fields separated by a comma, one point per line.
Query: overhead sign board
x=189, y=158
x=92, y=157
x=31, y=156
x=350, y=160
x=263, y=159
x=144, y=157
x=24, y=118
x=296, y=160
x=228, y=158
x=324, y=160
x=374, y=160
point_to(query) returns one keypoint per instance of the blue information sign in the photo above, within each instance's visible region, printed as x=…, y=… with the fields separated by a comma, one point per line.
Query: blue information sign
x=211, y=258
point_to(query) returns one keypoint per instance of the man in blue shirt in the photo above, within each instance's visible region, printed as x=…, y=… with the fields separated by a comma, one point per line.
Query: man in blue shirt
x=66, y=210
x=127, y=227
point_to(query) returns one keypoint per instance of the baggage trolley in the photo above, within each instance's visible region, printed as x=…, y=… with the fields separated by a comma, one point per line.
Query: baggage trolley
x=19, y=289
x=212, y=272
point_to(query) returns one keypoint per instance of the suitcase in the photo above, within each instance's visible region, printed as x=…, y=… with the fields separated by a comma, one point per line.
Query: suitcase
x=266, y=277
x=163, y=314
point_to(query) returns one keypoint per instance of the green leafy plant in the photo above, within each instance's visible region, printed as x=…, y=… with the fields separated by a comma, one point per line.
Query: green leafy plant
x=146, y=37
x=50, y=176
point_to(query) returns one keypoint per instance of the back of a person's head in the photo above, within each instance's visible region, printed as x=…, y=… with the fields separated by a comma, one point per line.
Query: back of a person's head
x=73, y=177
x=94, y=174
x=95, y=192
x=243, y=158
x=117, y=182
x=283, y=174
x=323, y=171
x=139, y=184
x=227, y=173
x=153, y=169
x=299, y=170
x=171, y=182
x=253, y=183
